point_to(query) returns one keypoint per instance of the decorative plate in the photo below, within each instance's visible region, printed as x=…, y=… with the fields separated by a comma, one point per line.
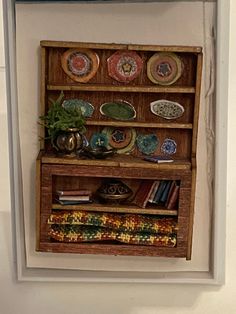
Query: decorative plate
x=169, y=147
x=147, y=144
x=120, y=110
x=123, y=139
x=86, y=108
x=98, y=140
x=167, y=109
x=80, y=64
x=164, y=68
x=124, y=66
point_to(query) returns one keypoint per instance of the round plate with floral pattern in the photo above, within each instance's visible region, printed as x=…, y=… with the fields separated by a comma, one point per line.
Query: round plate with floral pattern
x=167, y=109
x=164, y=68
x=147, y=144
x=123, y=139
x=124, y=66
x=80, y=64
x=169, y=147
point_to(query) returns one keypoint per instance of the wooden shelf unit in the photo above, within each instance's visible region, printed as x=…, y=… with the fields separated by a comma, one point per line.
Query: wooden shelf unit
x=55, y=172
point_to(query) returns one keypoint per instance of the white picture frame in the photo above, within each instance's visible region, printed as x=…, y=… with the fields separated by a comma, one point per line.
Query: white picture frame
x=216, y=273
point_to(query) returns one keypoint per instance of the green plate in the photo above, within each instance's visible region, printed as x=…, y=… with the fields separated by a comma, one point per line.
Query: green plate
x=118, y=110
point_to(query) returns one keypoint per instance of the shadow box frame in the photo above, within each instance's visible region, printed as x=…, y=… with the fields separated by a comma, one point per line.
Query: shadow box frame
x=216, y=273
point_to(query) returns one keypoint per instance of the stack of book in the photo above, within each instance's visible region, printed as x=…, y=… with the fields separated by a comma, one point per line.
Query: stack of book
x=73, y=197
x=163, y=192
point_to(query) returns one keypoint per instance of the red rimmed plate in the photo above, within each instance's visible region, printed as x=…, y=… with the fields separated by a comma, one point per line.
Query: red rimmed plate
x=124, y=66
x=164, y=68
x=80, y=64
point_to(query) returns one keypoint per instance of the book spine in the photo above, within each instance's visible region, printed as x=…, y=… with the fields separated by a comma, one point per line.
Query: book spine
x=173, y=184
x=74, y=192
x=154, y=190
x=173, y=198
x=165, y=192
x=159, y=192
x=142, y=193
x=74, y=198
x=148, y=195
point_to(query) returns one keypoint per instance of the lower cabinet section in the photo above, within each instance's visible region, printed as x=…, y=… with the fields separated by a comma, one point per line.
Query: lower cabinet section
x=89, y=209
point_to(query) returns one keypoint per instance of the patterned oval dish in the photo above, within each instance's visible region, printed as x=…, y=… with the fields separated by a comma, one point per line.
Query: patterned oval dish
x=80, y=64
x=169, y=147
x=167, y=109
x=119, y=110
x=86, y=108
x=147, y=144
x=164, y=68
x=124, y=66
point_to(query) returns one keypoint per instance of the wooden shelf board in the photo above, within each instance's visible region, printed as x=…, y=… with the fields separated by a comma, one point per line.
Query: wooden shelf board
x=129, y=89
x=141, y=124
x=111, y=249
x=129, y=209
x=112, y=46
x=125, y=161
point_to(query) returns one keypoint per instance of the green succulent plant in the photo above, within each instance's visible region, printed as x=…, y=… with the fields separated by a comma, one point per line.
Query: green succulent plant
x=59, y=119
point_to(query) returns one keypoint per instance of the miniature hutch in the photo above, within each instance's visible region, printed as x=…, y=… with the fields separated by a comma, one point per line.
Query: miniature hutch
x=55, y=172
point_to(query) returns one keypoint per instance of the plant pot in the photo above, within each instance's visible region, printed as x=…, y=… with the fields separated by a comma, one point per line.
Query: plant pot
x=69, y=142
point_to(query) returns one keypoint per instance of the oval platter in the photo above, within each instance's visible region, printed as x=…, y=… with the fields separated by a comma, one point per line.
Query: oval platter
x=118, y=110
x=80, y=64
x=164, y=68
x=124, y=66
x=86, y=108
x=167, y=109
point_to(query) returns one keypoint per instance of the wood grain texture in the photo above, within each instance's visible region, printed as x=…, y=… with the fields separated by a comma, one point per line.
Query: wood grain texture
x=129, y=209
x=125, y=161
x=42, y=95
x=123, y=89
x=70, y=44
x=191, y=215
x=111, y=249
x=197, y=104
x=38, y=200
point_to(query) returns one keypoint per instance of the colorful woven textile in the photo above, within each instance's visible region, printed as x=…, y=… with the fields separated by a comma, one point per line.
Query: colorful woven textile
x=76, y=233
x=116, y=222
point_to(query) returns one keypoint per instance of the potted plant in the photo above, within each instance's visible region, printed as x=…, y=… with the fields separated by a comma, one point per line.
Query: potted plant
x=65, y=126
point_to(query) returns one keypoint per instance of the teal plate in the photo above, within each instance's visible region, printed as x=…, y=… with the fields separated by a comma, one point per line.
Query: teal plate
x=86, y=108
x=147, y=144
x=118, y=110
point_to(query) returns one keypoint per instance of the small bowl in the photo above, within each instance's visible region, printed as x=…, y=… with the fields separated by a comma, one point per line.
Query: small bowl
x=98, y=153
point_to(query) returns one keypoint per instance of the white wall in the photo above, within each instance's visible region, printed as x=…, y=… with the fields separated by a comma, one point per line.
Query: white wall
x=65, y=298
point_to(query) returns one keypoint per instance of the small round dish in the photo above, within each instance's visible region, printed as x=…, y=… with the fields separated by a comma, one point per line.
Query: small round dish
x=147, y=144
x=164, y=68
x=86, y=108
x=98, y=140
x=124, y=66
x=80, y=64
x=118, y=110
x=169, y=147
x=167, y=109
x=98, y=153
